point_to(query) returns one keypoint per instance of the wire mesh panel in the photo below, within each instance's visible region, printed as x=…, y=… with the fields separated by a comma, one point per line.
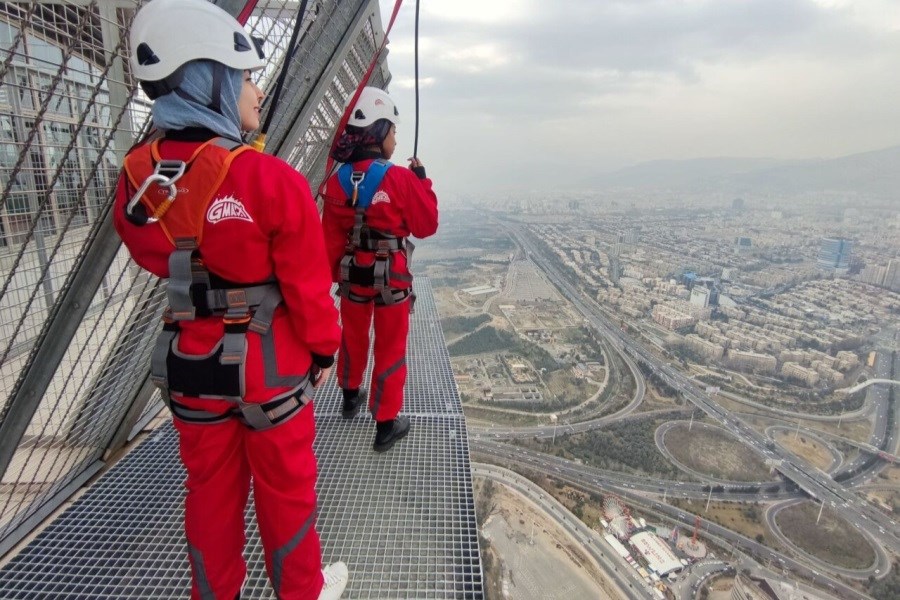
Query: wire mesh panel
x=69, y=110
x=301, y=131
x=403, y=521
x=66, y=116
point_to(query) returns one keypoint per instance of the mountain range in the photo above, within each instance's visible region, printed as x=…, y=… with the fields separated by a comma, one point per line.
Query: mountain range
x=870, y=173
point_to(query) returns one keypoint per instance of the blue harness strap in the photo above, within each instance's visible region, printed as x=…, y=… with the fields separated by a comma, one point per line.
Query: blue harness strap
x=368, y=184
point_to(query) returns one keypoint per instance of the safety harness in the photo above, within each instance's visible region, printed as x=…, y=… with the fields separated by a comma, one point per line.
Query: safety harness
x=194, y=291
x=368, y=255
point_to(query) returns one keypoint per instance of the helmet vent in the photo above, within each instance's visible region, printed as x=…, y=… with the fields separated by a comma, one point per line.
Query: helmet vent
x=145, y=55
x=240, y=43
x=259, y=43
x=359, y=114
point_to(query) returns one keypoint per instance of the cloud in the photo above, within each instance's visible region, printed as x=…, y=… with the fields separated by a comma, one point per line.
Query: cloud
x=660, y=78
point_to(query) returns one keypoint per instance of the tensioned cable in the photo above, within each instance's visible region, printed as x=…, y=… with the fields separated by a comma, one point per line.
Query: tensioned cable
x=345, y=118
x=416, y=138
x=260, y=142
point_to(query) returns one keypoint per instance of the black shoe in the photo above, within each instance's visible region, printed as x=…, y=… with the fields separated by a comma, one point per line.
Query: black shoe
x=352, y=403
x=388, y=432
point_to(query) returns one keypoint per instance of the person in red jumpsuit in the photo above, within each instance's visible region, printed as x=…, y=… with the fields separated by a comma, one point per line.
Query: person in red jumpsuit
x=251, y=326
x=369, y=253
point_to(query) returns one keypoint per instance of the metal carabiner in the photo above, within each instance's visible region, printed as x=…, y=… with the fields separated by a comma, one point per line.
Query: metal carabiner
x=356, y=178
x=162, y=181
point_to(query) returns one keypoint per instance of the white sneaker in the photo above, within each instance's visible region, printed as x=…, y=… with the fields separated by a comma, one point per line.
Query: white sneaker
x=336, y=577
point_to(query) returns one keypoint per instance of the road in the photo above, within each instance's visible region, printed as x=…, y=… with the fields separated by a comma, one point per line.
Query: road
x=721, y=535
x=817, y=484
x=625, y=578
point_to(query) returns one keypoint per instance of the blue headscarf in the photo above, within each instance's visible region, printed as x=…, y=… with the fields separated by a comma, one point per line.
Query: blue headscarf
x=188, y=105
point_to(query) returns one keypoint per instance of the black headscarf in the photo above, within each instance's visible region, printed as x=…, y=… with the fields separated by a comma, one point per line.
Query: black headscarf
x=355, y=140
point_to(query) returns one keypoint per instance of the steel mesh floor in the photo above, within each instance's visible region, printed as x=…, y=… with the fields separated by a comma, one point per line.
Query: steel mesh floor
x=403, y=521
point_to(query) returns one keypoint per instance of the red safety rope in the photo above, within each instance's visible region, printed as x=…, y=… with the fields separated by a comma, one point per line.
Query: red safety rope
x=245, y=12
x=362, y=83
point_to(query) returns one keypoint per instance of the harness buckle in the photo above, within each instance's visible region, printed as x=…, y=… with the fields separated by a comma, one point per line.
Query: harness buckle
x=382, y=249
x=238, y=320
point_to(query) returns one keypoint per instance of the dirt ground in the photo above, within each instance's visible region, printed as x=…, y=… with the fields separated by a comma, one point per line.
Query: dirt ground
x=538, y=560
x=713, y=451
x=806, y=448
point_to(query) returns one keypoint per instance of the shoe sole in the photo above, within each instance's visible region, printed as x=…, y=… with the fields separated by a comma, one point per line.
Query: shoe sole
x=388, y=445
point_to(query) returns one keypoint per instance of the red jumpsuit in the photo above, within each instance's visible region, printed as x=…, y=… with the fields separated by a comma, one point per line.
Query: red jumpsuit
x=403, y=205
x=278, y=234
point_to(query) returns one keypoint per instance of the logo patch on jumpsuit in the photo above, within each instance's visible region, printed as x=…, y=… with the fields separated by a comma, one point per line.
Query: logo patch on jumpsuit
x=225, y=208
x=381, y=196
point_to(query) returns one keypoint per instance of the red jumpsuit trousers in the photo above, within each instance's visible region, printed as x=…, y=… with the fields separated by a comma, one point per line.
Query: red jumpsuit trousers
x=391, y=329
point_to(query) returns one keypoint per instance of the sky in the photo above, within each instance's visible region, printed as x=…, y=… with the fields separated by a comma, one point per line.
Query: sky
x=533, y=94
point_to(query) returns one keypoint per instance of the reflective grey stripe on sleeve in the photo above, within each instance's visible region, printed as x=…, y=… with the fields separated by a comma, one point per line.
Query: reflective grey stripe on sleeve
x=203, y=585
x=279, y=556
x=379, y=383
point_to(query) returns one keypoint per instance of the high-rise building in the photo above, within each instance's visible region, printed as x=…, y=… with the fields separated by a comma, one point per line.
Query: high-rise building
x=892, y=276
x=700, y=296
x=834, y=254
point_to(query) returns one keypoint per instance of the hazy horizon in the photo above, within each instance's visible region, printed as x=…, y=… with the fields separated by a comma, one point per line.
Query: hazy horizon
x=530, y=92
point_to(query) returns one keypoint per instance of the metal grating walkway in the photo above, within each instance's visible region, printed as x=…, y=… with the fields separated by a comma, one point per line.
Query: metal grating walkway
x=403, y=521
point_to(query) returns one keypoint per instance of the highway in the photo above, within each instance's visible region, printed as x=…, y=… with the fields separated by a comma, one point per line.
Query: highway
x=626, y=579
x=815, y=483
x=546, y=431
x=723, y=536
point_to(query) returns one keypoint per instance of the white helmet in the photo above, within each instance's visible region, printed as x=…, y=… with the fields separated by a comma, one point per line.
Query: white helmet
x=373, y=104
x=167, y=34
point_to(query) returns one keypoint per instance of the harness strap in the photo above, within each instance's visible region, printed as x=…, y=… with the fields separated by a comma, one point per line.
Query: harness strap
x=159, y=368
x=237, y=320
x=359, y=223
x=392, y=243
x=181, y=278
x=360, y=186
x=395, y=297
x=265, y=310
x=256, y=416
x=217, y=299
